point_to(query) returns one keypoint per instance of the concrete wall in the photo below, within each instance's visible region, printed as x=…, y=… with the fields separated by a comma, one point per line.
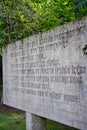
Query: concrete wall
x=0, y=78
x=46, y=74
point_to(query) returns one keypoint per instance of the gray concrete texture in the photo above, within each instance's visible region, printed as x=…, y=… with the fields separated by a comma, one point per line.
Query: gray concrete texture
x=1, y=79
x=46, y=74
x=35, y=122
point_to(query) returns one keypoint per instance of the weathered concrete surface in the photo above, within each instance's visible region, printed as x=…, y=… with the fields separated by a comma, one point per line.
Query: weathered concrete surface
x=46, y=74
x=0, y=93
x=35, y=122
x=0, y=79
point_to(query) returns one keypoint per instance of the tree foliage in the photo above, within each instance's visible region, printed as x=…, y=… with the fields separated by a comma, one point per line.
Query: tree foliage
x=22, y=18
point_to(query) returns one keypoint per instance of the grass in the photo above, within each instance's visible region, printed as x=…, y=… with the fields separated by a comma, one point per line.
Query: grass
x=12, y=121
x=57, y=126
x=15, y=121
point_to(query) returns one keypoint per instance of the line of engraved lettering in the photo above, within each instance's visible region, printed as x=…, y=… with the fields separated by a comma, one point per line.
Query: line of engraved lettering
x=47, y=70
x=40, y=57
x=16, y=66
x=34, y=50
x=15, y=89
x=71, y=98
x=40, y=93
x=15, y=83
x=17, y=53
x=23, y=71
x=21, y=66
x=25, y=52
x=52, y=46
x=81, y=29
x=56, y=36
x=27, y=44
x=20, y=47
x=26, y=58
x=30, y=71
x=54, y=62
x=70, y=69
x=30, y=91
x=23, y=90
x=30, y=85
x=67, y=79
x=37, y=64
x=41, y=49
x=63, y=35
x=63, y=70
x=73, y=32
x=55, y=95
x=78, y=69
x=15, y=78
x=14, y=54
x=14, y=47
x=35, y=42
x=42, y=78
x=16, y=71
x=45, y=86
x=46, y=40
x=22, y=59
x=29, y=78
x=27, y=65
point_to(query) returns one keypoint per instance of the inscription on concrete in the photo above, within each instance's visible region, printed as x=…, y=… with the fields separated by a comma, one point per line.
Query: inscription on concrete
x=46, y=74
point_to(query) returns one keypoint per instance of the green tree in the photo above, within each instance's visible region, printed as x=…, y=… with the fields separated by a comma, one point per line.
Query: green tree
x=22, y=18
x=80, y=8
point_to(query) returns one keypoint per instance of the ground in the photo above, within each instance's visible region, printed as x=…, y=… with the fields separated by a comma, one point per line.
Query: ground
x=4, y=108
x=11, y=119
